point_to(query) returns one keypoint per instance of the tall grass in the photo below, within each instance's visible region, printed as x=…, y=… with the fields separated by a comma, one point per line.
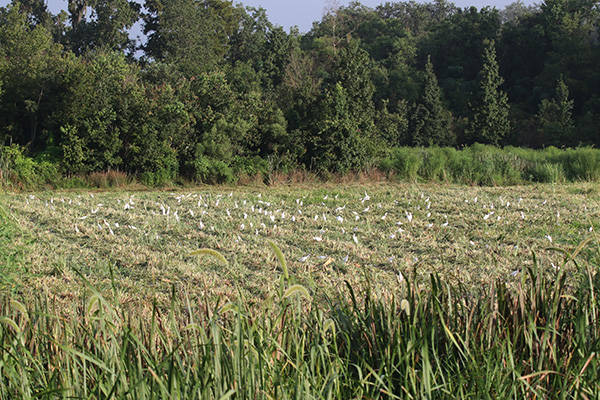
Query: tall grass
x=539, y=340
x=488, y=165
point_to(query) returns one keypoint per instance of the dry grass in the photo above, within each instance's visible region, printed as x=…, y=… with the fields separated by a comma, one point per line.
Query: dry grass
x=141, y=238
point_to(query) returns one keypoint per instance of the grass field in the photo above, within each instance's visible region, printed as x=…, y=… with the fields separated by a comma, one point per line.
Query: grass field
x=471, y=235
x=130, y=252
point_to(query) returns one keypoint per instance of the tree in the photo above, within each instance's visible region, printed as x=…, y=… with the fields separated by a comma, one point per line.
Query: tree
x=30, y=63
x=352, y=69
x=431, y=121
x=191, y=34
x=336, y=144
x=491, y=123
x=106, y=28
x=554, y=117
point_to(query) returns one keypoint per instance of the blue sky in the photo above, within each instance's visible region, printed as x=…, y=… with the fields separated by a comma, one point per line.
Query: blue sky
x=303, y=12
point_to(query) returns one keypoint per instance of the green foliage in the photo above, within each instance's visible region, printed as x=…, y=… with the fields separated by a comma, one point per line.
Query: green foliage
x=19, y=171
x=491, y=123
x=337, y=145
x=554, y=117
x=430, y=340
x=192, y=35
x=29, y=69
x=108, y=28
x=217, y=81
x=431, y=121
x=487, y=165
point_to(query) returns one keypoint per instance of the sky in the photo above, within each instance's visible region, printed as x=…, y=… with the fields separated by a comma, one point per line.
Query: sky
x=302, y=13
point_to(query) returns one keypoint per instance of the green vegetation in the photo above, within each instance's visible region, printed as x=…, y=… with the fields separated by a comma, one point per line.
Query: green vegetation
x=218, y=93
x=377, y=291
x=403, y=287
x=539, y=341
x=487, y=165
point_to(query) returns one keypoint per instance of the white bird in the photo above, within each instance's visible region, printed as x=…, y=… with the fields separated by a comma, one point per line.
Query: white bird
x=367, y=197
x=108, y=226
x=354, y=238
x=317, y=238
x=400, y=277
x=303, y=259
x=549, y=238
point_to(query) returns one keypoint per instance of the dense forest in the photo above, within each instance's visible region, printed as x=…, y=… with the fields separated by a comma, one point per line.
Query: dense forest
x=217, y=90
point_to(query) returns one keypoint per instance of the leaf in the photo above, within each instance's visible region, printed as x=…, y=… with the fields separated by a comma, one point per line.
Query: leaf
x=280, y=258
x=229, y=307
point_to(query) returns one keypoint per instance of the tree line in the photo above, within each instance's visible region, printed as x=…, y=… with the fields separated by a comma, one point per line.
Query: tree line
x=218, y=90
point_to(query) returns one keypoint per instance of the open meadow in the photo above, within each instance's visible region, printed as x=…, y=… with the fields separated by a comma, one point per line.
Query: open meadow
x=137, y=243
x=386, y=290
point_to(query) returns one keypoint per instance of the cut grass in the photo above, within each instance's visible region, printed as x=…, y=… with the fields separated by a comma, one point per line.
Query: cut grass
x=146, y=254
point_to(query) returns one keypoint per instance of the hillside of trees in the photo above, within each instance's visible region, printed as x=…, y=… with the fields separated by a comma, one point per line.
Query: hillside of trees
x=218, y=90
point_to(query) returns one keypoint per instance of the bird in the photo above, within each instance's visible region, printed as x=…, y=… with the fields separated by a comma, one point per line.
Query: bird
x=304, y=258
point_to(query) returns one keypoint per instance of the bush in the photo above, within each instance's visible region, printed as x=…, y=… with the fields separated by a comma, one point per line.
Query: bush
x=23, y=172
x=488, y=165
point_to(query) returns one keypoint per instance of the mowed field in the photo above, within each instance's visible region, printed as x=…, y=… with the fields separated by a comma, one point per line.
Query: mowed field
x=135, y=245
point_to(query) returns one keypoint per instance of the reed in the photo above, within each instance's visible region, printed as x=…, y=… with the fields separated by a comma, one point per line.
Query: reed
x=538, y=340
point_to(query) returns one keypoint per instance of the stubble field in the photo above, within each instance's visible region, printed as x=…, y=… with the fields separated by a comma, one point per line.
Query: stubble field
x=135, y=244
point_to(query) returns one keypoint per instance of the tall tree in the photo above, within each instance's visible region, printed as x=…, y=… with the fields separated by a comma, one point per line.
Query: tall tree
x=491, y=122
x=191, y=34
x=29, y=64
x=336, y=144
x=431, y=121
x=554, y=118
x=106, y=28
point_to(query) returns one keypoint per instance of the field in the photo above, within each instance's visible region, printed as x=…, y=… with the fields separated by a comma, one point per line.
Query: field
x=471, y=235
x=131, y=250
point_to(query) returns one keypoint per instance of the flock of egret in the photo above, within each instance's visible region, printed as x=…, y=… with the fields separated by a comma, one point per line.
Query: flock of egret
x=318, y=226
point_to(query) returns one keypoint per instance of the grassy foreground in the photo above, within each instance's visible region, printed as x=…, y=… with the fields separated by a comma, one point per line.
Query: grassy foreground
x=432, y=292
